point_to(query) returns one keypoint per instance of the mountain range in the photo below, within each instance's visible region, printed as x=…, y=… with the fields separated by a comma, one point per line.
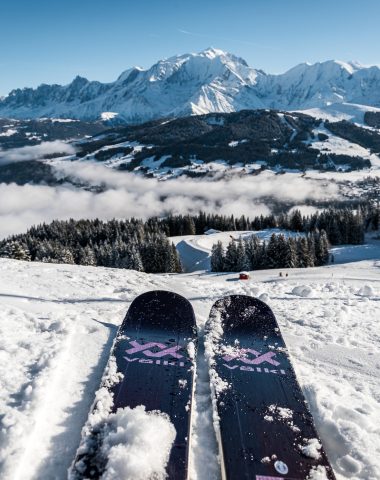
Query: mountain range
x=206, y=82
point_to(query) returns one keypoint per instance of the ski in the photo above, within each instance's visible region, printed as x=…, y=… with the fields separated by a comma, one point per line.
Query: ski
x=264, y=428
x=152, y=364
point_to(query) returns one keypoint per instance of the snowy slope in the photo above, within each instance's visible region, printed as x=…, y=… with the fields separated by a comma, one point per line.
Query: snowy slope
x=209, y=81
x=195, y=250
x=341, y=111
x=57, y=326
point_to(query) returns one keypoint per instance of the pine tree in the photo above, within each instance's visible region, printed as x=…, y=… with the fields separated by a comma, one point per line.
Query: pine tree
x=321, y=248
x=231, y=257
x=291, y=254
x=217, y=257
x=65, y=256
x=262, y=257
x=311, y=247
x=281, y=251
x=296, y=221
x=271, y=252
x=334, y=232
x=189, y=225
x=177, y=265
x=15, y=250
x=87, y=256
x=303, y=253
x=252, y=247
x=241, y=259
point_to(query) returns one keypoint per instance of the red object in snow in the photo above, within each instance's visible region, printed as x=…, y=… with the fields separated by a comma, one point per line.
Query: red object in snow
x=243, y=276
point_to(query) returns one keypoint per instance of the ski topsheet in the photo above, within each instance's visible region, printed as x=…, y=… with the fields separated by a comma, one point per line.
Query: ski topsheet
x=264, y=428
x=150, y=372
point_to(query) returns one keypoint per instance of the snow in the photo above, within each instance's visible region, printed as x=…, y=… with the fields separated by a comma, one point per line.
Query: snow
x=235, y=143
x=210, y=81
x=318, y=473
x=137, y=444
x=8, y=133
x=58, y=323
x=311, y=448
x=341, y=111
x=108, y=115
x=339, y=146
x=60, y=120
x=366, y=291
x=302, y=291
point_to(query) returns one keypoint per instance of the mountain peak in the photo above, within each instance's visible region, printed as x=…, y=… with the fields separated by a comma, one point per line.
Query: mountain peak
x=212, y=52
x=209, y=81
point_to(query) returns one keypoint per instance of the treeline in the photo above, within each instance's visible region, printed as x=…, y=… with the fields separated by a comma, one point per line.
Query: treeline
x=279, y=252
x=144, y=245
x=342, y=226
x=131, y=244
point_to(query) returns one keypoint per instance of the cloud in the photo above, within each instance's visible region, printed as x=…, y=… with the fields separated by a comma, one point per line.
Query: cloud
x=126, y=195
x=34, y=152
x=287, y=187
x=305, y=209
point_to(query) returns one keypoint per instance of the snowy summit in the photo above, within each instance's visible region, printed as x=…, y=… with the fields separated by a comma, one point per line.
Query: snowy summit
x=198, y=83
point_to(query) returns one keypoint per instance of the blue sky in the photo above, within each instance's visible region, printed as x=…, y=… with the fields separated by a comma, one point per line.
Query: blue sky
x=51, y=41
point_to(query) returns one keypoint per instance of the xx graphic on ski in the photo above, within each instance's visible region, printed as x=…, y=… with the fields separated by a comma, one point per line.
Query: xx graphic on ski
x=153, y=362
x=265, y=430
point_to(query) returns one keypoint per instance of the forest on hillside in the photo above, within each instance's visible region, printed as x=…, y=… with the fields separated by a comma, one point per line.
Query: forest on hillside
x=145, y=245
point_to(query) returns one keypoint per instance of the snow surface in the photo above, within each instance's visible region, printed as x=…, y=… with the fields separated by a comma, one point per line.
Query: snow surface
x=8, y=133
x=58, y=322
x=341, y=111
x=137, y=444
x=340, y=146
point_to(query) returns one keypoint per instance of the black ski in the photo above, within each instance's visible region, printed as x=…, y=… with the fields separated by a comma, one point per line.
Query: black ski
x=155, y=352
x=265, y=429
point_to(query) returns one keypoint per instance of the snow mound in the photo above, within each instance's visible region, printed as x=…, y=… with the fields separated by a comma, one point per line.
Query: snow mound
x=366, y=291
x=264, y=297
x=311, y=448
x=137, y=445
x=318, y=473
x=303, y=291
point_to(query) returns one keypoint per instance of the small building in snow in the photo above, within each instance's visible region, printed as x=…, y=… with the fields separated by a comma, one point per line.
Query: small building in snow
x=243, y=276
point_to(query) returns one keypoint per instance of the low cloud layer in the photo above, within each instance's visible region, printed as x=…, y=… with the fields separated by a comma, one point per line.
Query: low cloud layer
x=129, y=195
x=34, y=152
x=287, y=187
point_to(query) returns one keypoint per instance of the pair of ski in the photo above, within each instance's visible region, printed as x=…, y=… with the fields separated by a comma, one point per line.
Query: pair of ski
x=264, y=428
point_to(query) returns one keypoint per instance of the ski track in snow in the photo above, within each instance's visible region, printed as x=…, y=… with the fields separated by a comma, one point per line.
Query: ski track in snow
x=58, y=322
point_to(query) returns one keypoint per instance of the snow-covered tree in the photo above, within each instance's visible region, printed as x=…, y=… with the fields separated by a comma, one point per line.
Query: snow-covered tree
x=241, y=259
x=291, y=260
x=16, y=250
x=231, y=257
x=87, y=256
x=321, y=248
x=65, y=255
x=217, y=257
x=252, y=247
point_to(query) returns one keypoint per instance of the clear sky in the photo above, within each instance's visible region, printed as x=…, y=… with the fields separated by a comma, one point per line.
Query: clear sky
x=51, y=41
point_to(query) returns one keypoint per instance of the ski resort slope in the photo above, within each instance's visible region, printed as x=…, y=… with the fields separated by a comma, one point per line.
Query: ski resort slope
x=58, y=322
x=195, y=250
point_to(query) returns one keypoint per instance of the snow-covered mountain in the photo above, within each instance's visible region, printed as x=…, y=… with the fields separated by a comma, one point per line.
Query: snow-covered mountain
x=209, y=81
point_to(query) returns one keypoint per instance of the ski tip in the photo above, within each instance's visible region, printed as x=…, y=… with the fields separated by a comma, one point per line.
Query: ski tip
x=242, y=301
x=244, y=310
x=160, y=308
